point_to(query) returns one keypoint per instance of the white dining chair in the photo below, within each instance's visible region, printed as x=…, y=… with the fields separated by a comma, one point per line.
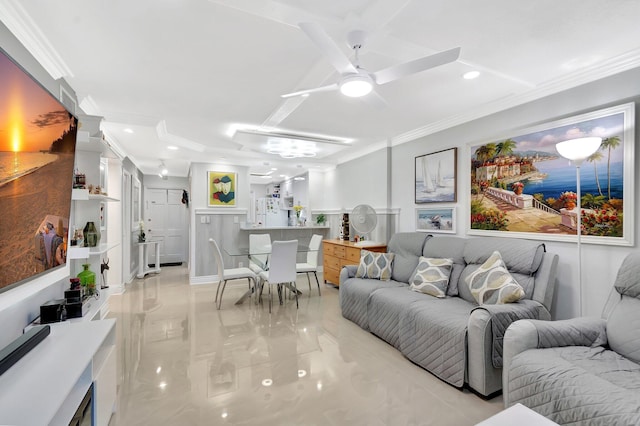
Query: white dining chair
x=225, y=275
x=311, y=265
x=259, y=249
x=282, y=268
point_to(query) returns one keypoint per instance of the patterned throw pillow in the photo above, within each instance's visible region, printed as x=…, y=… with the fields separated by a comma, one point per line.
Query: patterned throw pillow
x=375, y=265
x=492, y=284
x=431, y=276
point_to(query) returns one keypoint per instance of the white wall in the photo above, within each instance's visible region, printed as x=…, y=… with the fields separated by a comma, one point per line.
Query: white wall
x=365, y=180
x=600, y=263
x=223, y=223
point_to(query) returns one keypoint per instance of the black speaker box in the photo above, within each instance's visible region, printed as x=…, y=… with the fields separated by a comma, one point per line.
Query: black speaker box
x=72, y=296
x=51, y=311
x=76, y=309
x=15, y=350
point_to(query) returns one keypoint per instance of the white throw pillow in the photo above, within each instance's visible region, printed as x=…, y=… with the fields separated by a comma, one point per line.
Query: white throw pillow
x=431, y=276
x=492, y=284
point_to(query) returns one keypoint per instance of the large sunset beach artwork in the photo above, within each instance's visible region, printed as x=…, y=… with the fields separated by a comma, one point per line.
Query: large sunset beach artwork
x=37, y=146
x=520, y=184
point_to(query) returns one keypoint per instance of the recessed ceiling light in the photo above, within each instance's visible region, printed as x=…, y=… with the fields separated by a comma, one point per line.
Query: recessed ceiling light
x=298, y=178
x=172, y=148
x=275, y=169
x=127, y=130
x=471, y=75
x=267, y=382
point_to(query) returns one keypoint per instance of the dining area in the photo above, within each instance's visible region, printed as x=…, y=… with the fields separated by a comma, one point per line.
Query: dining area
x=272, y=268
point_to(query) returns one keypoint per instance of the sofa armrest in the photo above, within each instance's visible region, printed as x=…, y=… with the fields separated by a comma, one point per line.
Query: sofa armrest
x=347, y=271
x=535, y=334
x=483, y=376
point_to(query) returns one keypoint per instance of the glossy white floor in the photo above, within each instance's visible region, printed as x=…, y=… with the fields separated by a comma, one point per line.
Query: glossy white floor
x=182, y=362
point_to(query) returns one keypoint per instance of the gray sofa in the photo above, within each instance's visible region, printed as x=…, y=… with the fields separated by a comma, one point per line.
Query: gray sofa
x=582, y=371
x=451, y=337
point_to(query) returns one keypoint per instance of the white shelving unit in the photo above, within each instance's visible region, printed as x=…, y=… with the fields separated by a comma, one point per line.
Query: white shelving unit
x=93, y=155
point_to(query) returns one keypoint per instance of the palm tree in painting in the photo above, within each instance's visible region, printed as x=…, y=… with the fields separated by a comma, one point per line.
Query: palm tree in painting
x=486, y=152
x=609, y=143
x=506, y=147
x=594, y=158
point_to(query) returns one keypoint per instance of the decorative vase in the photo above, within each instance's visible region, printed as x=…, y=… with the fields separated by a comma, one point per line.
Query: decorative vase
x=88, y=279
x=91, y=235
x=569, y=205
x=518, y=190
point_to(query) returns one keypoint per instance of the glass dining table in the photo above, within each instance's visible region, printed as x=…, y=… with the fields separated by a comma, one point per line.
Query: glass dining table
x=257, y=258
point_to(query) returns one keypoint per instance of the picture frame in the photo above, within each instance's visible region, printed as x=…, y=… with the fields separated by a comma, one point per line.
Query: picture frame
x=526, y=161
x=438, y=220
x=440, y=169
x=221, y=189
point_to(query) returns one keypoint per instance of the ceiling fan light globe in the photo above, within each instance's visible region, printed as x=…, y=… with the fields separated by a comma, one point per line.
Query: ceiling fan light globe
x=356, y=86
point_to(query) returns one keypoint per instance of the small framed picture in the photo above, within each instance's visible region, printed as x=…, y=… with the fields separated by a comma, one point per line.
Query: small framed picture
x=441, y=219
x=435, y=177
x=222, y=189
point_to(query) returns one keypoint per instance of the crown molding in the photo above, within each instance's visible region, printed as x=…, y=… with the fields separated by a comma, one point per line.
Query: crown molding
x=605, y=69
x=18, y=21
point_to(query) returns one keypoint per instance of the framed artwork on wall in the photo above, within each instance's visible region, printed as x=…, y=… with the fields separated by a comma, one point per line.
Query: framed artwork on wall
x=435, y=177
x=222, y=189
x=436, y=220
x=521, y=187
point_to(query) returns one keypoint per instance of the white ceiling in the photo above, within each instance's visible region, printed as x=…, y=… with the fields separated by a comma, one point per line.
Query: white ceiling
x=188, y=72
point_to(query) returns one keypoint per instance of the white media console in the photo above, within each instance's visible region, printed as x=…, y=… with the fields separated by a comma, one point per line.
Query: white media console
x=48, y=384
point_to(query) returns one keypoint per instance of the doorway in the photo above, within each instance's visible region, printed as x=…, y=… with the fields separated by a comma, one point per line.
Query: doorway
x=167, y=222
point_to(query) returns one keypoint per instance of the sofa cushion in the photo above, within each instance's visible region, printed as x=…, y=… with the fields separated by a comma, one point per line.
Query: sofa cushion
x=628, y=277
x=433, y=335
x=492, y=283
x=354, y=297
x=452, y=248
x=522, y=256
x=407, y=247
x=432, y=276
x=375, y=265
x=385, y=307
x=577, y=385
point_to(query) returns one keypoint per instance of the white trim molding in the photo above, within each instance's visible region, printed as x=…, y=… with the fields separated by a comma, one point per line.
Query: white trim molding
x=13, y=15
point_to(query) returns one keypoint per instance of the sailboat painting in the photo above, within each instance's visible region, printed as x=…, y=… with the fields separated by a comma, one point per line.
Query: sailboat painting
x=435, y=177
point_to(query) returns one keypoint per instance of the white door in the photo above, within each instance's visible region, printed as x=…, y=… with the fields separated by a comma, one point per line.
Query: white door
x=166, y=220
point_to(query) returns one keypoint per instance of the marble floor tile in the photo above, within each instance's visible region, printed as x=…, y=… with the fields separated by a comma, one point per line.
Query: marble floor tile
x=182, y=362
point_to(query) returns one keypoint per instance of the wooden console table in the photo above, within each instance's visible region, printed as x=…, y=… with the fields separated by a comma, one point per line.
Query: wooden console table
x=338, y=253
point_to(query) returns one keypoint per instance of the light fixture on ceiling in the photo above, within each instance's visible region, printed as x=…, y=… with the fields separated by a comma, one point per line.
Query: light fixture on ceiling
x=164, y=172
x=128, y=130
x=471, y=75
x=356, y=85
x=291, y=148
x=576, y=151
x=172, y=147
x=299, y=178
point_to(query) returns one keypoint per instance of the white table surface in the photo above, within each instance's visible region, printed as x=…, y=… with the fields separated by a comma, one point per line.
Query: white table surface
x=517, y=415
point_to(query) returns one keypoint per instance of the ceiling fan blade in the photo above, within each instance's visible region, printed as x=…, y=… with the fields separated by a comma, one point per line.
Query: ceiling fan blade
x=328, y=88
x=328, y=47
x=396, y=72
x=376, y=101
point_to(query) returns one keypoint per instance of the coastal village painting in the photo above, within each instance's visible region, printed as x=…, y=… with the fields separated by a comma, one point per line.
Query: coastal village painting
x=521, y=184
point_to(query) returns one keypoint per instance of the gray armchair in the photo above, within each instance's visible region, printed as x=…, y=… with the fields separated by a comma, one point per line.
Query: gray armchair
x=583, y=370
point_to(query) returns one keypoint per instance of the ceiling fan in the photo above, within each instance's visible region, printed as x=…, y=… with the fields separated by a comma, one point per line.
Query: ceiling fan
x=356, y=81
